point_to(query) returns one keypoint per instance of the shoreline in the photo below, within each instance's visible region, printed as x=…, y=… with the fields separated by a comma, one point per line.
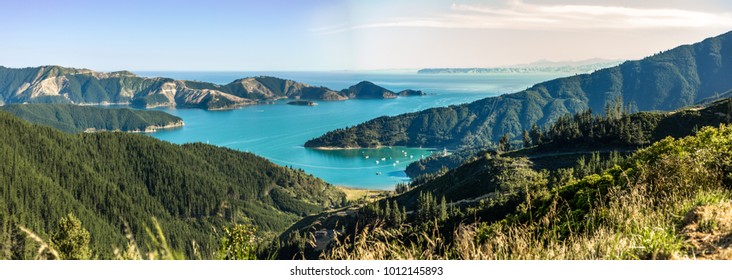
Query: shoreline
x=366, y=148
x=148, y=129
x=155, y=128
x=346, y=148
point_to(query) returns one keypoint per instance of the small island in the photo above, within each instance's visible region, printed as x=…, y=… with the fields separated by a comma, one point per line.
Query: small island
x=302, y=103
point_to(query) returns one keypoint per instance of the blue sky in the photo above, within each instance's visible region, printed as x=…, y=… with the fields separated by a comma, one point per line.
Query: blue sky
x=344, y=35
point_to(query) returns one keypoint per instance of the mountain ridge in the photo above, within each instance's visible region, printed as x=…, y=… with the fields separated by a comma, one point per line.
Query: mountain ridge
x=57, y=84
x=665, y=81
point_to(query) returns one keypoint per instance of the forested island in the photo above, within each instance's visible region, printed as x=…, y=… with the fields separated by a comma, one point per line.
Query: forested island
x=75, y=118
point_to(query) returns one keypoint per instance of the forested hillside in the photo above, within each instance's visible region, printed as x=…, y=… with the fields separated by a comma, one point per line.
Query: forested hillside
x=584, y=131
x=74, y=118
x=110, y=179
x=665, y=81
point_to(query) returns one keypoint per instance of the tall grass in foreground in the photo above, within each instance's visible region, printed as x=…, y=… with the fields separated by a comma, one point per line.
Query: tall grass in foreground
x=672, y=200
x=72, y=242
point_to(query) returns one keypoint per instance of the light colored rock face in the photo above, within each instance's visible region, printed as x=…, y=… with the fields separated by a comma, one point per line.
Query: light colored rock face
x=292, y=87
x=251, y=85
x=170, y=90
x=254, y=87
x=125, y=91
x=41, y=85
x=49, y=87
x=189, y=96
x=22, y=88
x=333, y=95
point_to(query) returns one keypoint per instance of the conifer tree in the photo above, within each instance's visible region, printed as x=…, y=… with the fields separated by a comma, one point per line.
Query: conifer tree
x=536, y=135
x=443, y=209
x=503, y=144
x=71, y=240
x=396, y=214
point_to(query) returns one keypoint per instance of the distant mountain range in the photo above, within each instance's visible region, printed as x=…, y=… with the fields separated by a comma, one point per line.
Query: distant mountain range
x=55, y=84
x=666, y=81
x=541, y=66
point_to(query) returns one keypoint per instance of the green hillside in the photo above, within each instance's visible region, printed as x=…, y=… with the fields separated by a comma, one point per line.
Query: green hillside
x=111, y=179
x=587, y=132
x=74, y=119
x=666, y=81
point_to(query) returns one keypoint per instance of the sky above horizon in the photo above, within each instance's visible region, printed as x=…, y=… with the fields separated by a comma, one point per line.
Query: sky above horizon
x=344, y=35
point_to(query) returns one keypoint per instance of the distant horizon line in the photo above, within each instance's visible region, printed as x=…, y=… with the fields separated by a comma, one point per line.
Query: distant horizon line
x=406, y=69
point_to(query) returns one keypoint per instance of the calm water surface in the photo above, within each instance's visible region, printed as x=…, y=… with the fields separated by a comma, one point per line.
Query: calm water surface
x=278, y=131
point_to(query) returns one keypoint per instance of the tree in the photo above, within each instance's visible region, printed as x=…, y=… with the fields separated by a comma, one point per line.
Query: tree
x=614, y=109
x=426, y=207
x=71, y=240
x=527, y=139
x=443, y=209
x=536, y=135
x=503, y=144
x=396, y=214
x=401, y=188
x=239, y=242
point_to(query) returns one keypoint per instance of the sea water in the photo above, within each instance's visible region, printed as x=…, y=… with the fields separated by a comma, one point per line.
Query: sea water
x=278, y=131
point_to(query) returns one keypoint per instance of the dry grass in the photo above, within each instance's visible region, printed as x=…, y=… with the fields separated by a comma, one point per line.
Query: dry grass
x=374, y=242
x=366, y=195
x=44, y=249
x=708, y=228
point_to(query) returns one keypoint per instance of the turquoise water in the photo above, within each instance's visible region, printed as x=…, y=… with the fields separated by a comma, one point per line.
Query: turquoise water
x=278, y=131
